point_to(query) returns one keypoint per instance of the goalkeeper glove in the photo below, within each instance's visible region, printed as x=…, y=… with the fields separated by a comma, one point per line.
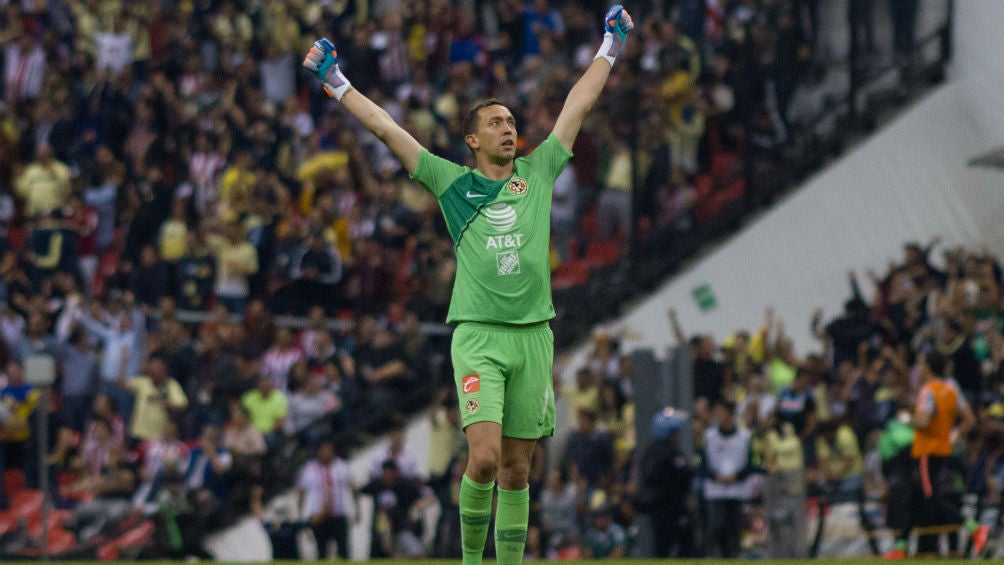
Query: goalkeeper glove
x=322, y=61
x=616, y=26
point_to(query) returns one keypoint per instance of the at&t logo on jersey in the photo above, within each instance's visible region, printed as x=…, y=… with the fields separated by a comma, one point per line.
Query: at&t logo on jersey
x=502, y=217
x=471, y=383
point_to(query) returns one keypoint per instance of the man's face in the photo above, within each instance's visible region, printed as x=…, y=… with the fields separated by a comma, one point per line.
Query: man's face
x=495, y=136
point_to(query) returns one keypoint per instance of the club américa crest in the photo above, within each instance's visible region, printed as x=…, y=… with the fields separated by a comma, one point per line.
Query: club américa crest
x=517, y=186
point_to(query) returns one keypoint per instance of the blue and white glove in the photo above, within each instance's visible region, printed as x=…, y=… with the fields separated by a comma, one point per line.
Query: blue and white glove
x=322, y=61
x=616, y=26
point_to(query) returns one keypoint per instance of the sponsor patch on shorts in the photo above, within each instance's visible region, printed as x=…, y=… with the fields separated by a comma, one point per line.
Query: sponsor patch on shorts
x=473, y=406
x=471, y=383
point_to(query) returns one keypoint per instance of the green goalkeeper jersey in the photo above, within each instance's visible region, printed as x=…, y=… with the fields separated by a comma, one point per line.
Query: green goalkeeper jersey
x=501, y=234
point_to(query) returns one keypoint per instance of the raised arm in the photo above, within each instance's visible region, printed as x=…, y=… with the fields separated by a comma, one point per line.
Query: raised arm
x=586, y=91
x=322, y=61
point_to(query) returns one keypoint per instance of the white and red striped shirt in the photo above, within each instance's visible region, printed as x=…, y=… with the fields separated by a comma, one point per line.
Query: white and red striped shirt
x=23, y=72
x=205, y=169
x=326, y=488
x=276, y=364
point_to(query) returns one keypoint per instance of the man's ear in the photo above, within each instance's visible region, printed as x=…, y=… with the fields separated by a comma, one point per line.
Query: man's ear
x=471, y=140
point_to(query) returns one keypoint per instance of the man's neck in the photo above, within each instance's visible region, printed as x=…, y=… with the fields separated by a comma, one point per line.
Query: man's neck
x=496, y=171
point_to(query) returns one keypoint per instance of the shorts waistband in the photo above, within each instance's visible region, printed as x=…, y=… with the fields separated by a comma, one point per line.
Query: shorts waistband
x=497, y=327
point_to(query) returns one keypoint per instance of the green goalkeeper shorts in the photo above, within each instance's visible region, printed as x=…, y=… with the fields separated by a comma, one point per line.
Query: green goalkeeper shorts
x=503, y=375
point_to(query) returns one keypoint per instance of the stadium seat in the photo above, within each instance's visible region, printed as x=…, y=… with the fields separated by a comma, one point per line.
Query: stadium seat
x=571, y=274
x=600, y=253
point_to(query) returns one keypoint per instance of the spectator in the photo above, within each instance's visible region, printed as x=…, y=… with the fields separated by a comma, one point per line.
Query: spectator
x=80, y=380
x=236, y=259
x=327, y=499
x=44, y=184
x=36, y=340
x=589, y=452
x=123, y=341
x=726, y=465
x=151, y=278
x=784, y=491
x=312, y=411
x=797, y=406
x=284, y=362
x=268, y=407
x=396, y=499
x=394, y=449
x=664, y=484
x=20, y=400
x=24, y=68
x=604, y=539
x=207, y=475
x=159, y=399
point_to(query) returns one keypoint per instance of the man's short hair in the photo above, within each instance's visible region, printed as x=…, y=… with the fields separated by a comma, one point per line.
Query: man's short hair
x=470, y=123
x=937, y=362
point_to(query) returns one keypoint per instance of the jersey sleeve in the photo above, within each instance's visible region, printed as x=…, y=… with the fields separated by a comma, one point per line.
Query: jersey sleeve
x=549, y=158
x=435, y=173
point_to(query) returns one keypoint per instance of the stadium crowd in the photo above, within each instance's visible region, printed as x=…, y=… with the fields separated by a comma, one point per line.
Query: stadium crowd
x=171, y=187
x=777, y=434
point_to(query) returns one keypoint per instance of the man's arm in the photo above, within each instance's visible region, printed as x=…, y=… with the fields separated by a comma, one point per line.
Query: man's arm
x=322, y=60
x=587, y=90
x=579, y=101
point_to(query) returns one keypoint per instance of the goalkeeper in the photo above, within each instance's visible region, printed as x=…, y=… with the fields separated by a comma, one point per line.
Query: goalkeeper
x=498, y=216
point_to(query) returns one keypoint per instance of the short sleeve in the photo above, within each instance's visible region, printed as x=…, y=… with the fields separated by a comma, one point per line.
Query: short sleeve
x=435, y=173
x=549, y=158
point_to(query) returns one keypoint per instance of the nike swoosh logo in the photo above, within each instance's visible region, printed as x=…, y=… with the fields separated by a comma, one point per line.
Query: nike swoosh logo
x=474, y=195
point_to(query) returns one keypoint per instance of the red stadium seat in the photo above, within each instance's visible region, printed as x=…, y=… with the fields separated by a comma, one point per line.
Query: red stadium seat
x=571, y=274
x=600, y=253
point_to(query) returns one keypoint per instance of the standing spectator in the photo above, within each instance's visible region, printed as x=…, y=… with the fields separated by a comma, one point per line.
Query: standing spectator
x=797, y=405
x=123, y=343
x=36, y=340
x=284, y=362
x=726, y=464
x=316, y=270
x=24, y=68
x=158, y=399
x=268, y=407
x=20, y=400
x=80, y=379
x=589, y=452
x=195, y=274
x=327, y=499
x=312, y=411
x=665, y=481
x=236, y=259
x=784, y=492
x=963, y=366
x=150, y=279
x=44, y=185
x=207, y=476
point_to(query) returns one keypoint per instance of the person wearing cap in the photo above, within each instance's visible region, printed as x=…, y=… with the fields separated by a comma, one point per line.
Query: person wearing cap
x=665, y=482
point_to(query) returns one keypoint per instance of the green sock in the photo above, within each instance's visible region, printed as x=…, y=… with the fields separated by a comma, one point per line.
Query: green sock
x=475, y=515
x=510, y=525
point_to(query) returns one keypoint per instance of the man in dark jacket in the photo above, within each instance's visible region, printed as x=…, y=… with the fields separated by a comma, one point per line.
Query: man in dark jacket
x=666, y=477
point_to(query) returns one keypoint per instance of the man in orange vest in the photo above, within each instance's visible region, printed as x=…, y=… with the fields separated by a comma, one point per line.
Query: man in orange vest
x=938, y=406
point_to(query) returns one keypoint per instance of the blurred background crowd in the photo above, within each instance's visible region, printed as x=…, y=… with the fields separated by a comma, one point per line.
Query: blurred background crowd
x=239, y=283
